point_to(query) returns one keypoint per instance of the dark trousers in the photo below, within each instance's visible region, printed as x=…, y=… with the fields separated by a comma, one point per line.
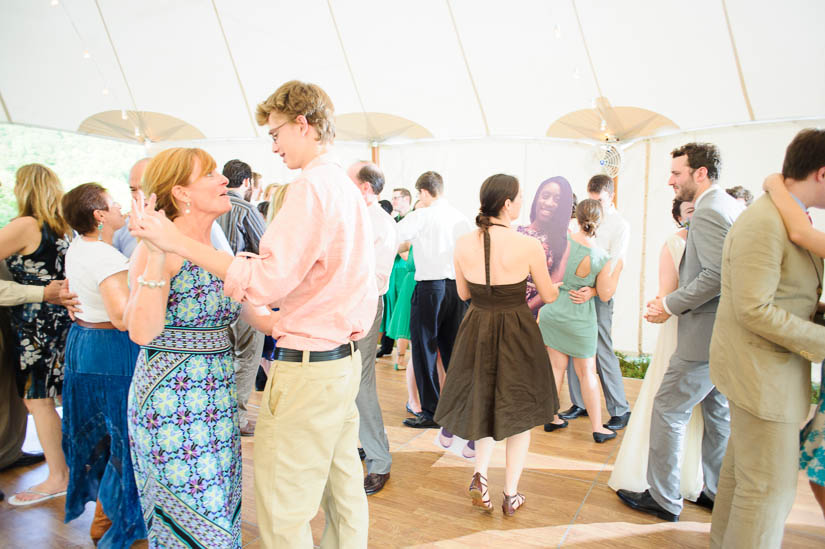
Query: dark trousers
x=435, y=315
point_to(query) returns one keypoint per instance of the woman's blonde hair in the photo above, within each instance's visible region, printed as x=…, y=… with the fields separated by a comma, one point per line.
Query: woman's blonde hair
x=38, y=192
x=276, y=202
x=297, y=98
x=172, y=168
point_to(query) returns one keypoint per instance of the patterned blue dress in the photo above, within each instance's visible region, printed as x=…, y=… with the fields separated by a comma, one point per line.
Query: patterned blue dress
x=812, y=455
x=183, y=423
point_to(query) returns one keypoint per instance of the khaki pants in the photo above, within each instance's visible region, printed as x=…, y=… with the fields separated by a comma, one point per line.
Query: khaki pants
x=305, y=455
x=757, y=483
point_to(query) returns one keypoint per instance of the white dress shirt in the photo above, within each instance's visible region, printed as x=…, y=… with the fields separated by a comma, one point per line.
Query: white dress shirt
x=613, y=234
x=386, y=246
x=433, y=232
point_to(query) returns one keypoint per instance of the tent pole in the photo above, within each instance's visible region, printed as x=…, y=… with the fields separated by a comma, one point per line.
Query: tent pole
x=644, y=245
x=375, y=155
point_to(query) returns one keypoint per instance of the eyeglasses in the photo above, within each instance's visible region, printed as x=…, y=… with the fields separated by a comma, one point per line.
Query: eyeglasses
x=273, y=133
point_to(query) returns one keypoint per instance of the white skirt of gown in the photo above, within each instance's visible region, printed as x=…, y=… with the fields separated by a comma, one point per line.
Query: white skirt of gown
x=630, y=469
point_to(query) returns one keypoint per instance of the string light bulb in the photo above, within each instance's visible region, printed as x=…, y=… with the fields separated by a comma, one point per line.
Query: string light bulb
x=557, y=31
x=123, y=114
x=55, y=2
x=86, y=54
x=105, y=91
x=577, y=73
x=603, y=125
x=137, y=132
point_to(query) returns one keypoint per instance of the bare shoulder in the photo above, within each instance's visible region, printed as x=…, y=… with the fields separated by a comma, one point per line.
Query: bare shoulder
x=23, y=224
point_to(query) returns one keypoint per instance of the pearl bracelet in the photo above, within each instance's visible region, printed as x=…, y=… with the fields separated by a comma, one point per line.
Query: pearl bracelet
x=150, y=283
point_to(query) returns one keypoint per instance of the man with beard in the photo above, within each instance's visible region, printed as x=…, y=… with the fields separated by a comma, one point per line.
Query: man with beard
x=694, y=175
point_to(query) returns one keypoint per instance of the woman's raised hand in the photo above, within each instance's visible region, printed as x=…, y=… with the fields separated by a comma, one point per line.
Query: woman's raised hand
x=152, y=226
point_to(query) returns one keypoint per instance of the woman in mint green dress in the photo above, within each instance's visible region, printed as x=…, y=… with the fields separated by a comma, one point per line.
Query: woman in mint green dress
x=568, y=325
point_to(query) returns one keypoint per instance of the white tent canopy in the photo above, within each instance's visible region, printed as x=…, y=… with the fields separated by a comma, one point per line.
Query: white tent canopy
x=464, y=87
x=460, y=68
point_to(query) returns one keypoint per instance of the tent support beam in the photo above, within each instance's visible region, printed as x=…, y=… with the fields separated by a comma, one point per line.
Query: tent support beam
x=469, y=72
x=141, y=124
x=643, y=259
x=5, y=109
x=586, y=48
x=738, y=62
x=367, y=122
x=235, y=68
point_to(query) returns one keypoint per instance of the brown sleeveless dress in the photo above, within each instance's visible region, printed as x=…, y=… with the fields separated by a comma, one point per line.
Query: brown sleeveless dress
x=499, y=381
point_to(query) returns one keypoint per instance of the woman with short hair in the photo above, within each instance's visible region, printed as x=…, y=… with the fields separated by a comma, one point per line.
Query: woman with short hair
x=100, y=361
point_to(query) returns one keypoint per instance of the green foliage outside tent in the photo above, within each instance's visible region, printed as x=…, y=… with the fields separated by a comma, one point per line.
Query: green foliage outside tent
x=75, y=158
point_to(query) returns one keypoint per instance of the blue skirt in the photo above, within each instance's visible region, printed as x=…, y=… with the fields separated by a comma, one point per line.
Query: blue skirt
x=98, y=372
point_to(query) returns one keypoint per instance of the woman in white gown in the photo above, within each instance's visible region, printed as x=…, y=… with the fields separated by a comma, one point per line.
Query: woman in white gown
x=630, y=469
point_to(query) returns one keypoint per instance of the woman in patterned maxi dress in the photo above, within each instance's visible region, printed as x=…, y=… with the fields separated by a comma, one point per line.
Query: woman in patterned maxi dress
x=183, y=423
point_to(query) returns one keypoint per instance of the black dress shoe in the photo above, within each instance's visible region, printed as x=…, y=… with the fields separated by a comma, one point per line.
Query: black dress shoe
x=362, y=454
x=374, y=482
x=25, y=460
x=618, y=422
x=573, y=412
x=603, y=437
x=704, y=501
x=550, y=427
x=643, y=501
x=420, y=422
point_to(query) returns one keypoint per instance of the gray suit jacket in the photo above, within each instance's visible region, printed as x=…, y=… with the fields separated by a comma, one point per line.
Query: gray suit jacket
x=700, y=273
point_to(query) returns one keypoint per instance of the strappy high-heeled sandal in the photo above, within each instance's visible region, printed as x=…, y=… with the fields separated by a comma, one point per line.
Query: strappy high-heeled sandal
x=478, y=491
x=511, y=504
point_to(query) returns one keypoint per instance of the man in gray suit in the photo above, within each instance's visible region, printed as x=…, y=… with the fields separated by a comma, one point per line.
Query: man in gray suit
x=694, y=173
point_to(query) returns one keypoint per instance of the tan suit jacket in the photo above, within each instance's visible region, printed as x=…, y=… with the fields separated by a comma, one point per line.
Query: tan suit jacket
x=764, y=338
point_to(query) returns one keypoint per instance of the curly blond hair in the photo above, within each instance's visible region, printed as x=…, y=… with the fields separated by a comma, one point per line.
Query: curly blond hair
x=297, y=98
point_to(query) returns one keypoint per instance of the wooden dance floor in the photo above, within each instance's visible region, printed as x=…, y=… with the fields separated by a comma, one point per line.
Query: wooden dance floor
x=425, y=503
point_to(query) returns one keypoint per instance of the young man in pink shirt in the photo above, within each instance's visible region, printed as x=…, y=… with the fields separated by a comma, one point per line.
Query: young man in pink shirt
x=317, y=264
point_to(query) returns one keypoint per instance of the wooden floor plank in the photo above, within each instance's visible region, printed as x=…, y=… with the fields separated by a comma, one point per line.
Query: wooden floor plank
x=425, y=504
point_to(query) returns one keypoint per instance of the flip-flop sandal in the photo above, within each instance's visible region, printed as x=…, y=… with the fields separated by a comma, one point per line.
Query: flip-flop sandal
x=14, y=500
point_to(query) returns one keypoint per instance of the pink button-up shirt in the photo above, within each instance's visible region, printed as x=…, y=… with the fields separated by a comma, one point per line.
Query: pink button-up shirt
x=316, y=262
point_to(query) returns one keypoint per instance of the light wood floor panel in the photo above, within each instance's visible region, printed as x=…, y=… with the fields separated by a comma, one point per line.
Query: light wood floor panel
x=425, y=504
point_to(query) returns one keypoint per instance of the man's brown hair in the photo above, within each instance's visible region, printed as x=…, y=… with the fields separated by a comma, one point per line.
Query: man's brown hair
x=432, y=182
x=600, y=182
x=701, y=155
x=805, y=154
x=296, y=98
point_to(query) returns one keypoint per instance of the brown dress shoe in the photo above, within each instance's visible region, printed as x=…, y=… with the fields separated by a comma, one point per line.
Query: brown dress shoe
x=100, y=524
x=374, y=482
x=248, y=430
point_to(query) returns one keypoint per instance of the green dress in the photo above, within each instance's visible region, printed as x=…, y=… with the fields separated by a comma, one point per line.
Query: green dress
x=399, y=325
x=399, y=270
x=570, y=327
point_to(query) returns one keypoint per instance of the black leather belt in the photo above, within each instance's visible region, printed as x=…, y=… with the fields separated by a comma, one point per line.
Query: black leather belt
x=294, y=355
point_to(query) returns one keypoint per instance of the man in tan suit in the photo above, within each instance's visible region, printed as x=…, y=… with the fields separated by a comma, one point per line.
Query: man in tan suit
x=763, y=343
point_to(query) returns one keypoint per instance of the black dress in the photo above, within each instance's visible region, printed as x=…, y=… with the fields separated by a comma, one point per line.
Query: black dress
x=41, y=328
x=499, y=381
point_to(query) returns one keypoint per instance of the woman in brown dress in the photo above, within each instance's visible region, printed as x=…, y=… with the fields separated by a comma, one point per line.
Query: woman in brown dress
x=499, y=383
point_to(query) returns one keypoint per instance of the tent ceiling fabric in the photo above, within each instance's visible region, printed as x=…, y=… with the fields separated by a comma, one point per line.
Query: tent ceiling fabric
x=446, y=66
x=377, y=127
x=154, y=125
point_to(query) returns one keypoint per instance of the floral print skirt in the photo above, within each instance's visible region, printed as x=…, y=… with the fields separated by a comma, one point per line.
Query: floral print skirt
x=185, y=441
x=812, y=455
